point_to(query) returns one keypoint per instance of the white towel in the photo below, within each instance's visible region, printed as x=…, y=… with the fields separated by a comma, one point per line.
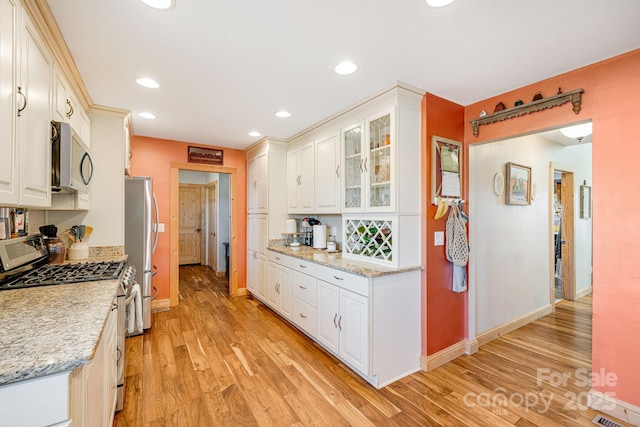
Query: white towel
x=134, y=310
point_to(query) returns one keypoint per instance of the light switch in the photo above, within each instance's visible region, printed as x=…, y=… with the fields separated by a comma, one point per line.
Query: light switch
x=161, y=227
x=438, y=238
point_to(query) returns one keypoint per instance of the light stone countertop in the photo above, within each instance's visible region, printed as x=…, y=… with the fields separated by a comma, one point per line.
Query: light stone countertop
x=335, y=260
x=50, y=329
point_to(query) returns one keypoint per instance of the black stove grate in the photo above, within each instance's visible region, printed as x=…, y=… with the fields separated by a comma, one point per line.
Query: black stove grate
x=59, y=274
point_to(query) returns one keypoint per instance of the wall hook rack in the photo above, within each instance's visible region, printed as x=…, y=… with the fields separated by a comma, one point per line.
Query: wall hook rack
x=575, y=97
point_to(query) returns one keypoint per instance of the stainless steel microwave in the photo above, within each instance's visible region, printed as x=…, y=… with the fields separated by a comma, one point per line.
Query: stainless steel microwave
x=72, y=165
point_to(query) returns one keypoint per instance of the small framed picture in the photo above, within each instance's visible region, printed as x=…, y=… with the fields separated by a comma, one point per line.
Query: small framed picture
x=518, y=184
x=210, y=156
x=585, y=201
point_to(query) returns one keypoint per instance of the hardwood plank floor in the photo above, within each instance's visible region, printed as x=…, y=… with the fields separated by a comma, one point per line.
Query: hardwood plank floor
x=220, y=361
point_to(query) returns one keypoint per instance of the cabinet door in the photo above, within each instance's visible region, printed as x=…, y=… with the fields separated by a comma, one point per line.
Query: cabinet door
x=353, y=323
x=35, y=127
x=61, y=101
x=286, y=298
x=273, y=282
x=353, y=168
x=327, y=176
x=379, y=167
x=293, y=180
x=9, y=154
x=327, y=315
x=252, y=185
x=306, y=190
x=262, y=179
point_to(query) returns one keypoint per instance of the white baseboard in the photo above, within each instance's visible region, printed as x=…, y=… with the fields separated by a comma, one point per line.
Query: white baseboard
x=584, y=292
x=160, y=305
x=429, y=363
x=505, y=328
x=616, y=408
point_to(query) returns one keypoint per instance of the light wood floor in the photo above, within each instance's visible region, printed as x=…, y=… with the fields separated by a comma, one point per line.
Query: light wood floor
x=215, y=360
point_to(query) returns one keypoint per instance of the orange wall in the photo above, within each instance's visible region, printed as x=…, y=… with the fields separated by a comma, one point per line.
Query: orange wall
x=153, y=157
x=612, y=92
x=445, y=309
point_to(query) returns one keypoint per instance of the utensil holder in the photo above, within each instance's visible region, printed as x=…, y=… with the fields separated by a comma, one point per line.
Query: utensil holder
x=78, y=250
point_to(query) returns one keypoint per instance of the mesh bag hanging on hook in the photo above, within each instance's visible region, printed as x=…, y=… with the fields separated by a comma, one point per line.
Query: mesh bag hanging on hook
x=457, y=247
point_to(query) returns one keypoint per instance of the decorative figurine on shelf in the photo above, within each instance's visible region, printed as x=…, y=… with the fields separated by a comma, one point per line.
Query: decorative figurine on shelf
x=559, y=91
x=483, y=113
x=518, y=103
x=499, y=107
x=537, y=96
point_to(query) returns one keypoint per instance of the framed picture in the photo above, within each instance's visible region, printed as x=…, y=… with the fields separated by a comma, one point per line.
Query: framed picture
x=585, y=201
x=518, y=184
x=210, y=156
x=446, y=168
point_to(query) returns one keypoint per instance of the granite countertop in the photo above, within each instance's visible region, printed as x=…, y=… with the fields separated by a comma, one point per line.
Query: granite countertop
x=51, y=329
x=335, y=260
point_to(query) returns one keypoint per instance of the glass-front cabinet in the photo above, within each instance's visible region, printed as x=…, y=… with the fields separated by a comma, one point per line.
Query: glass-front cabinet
x=368, y=164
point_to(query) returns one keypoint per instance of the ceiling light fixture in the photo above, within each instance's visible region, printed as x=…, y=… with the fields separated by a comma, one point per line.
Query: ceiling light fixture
x=160, y=4
x=345, y=68
x=147, y=82
x=439, y=3
x=578, y=131
x=283, y=114
x=147, y=115
x=254, y=133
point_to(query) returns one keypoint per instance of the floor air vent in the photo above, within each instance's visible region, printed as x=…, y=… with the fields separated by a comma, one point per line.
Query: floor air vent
x=605, y=422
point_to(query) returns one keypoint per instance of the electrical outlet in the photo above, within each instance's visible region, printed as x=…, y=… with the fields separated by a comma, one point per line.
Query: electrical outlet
x=160, y=226
x=438, y=238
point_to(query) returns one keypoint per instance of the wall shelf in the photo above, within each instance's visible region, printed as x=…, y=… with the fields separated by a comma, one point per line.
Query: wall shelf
x=575, y=97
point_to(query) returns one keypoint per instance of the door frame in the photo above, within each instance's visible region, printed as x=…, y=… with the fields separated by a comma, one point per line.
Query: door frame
x=567, y=226
x=212, y=188
x=174, y=183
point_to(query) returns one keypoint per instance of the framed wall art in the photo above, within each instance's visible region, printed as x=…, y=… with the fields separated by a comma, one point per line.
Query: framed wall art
x=585, y=201
x=210, y=156
x=518, y=184
x=446, y=168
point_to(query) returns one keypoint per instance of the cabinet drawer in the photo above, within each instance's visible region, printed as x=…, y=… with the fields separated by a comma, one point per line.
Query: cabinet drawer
x=304, y=288
x=306, y=267
x=280, y=259
x=304, y=316
x=349, y=281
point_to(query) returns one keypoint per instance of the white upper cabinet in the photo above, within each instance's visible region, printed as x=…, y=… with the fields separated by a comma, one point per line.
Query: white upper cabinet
x=66, y=107
x=9, y=156
x=300, y=178
x=258, y=183
x=369, y=158
x=327, y=175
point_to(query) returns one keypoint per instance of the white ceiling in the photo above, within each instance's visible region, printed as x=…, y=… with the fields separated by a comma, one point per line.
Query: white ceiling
x=226, y=66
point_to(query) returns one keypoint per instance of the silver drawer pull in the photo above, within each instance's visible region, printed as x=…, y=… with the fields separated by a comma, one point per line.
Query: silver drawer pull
x=338, y=278
x=302, y=266
x=302, y=287
x=303, y=316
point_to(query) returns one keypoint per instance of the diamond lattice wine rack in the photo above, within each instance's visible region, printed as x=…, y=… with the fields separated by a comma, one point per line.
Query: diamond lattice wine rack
x=371, y=239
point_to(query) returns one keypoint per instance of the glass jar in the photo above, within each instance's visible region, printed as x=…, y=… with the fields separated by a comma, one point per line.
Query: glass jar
x=57, y=250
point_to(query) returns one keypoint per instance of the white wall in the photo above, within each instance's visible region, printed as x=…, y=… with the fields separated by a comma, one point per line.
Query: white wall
x=224, y=217
x=510, y=264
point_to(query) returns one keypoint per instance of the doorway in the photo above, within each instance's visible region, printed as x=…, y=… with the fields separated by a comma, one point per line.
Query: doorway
x=230, y=175
x=562, y=213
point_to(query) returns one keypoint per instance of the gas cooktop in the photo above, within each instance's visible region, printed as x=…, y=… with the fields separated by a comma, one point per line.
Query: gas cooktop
x=64, y=273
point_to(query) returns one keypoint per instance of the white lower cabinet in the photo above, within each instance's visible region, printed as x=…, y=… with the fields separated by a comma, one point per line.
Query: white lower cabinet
x=279, y=288
x=343, y=324
x=94, y=385
x=371, y=323
x=38, y=402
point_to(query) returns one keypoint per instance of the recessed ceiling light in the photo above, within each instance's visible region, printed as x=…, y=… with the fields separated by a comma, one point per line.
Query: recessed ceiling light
x=254, y=133
x=160, y=4
x=147, y=82
x=345, y=68
x=283, y=114
x=147, y=115
x=437, y=3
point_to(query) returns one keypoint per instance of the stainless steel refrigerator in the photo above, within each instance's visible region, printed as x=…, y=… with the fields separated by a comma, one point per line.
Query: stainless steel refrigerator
x=141, y=238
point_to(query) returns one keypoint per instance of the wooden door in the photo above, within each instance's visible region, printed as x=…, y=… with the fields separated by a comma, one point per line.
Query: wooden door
x=212, y=238
x=190, y=197
x=568, y=247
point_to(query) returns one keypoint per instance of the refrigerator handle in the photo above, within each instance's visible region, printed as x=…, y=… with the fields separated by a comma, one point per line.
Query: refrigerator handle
x=155, y=294
x=154, y=271
x=156, y=222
